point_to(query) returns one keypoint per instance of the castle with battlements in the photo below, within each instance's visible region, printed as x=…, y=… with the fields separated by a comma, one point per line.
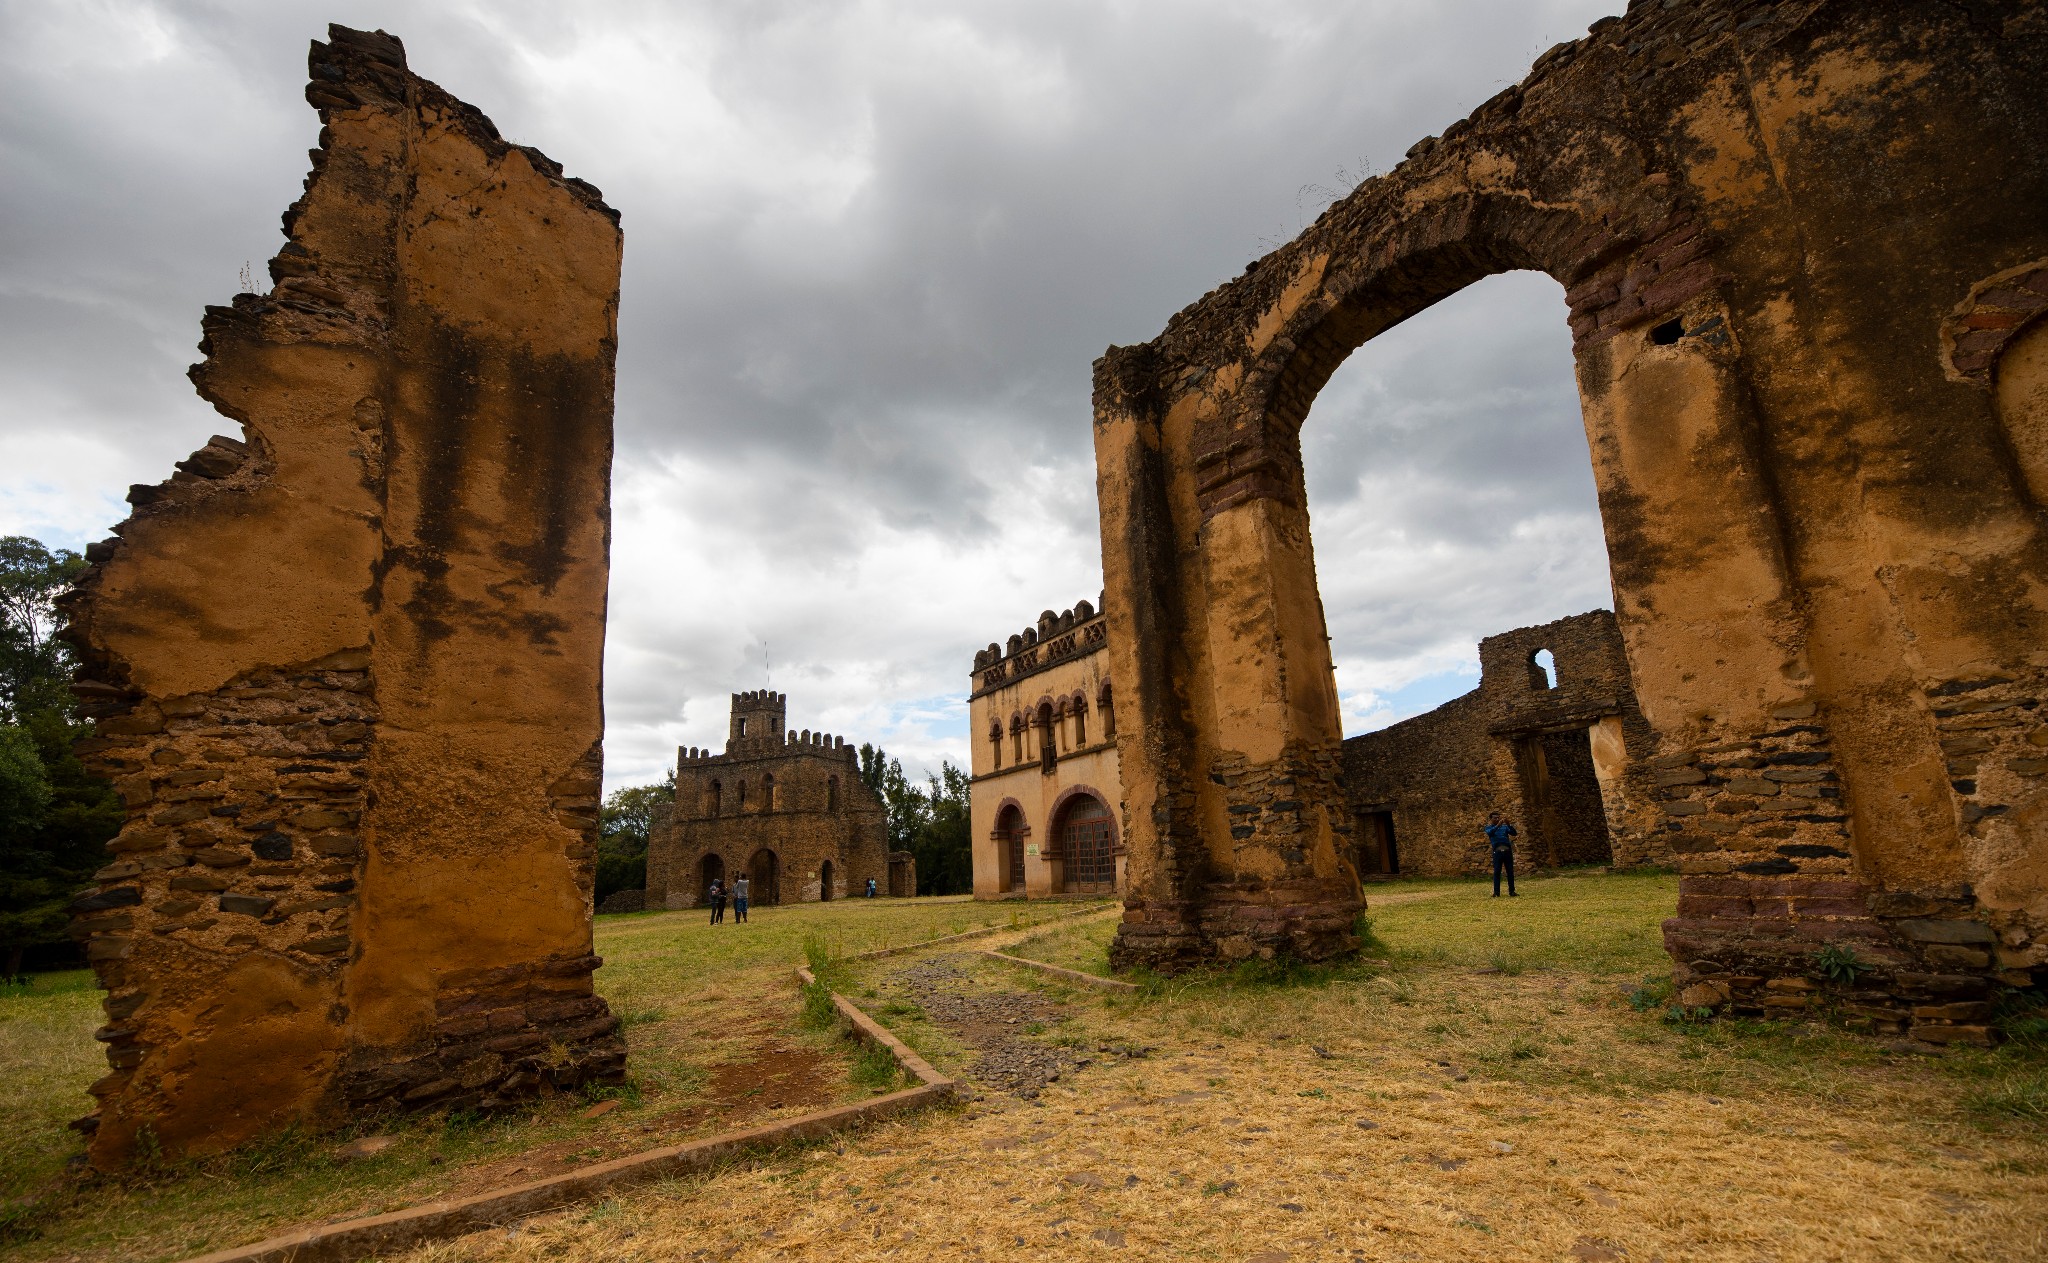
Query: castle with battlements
x=786, y=808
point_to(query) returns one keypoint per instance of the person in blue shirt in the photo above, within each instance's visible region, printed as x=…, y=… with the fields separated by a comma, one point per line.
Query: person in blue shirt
x=1500, y=835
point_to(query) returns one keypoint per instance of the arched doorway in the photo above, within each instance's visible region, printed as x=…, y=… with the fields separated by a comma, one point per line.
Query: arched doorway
x=711, y=870
x=764, y=872
x=1087, y=843
x=1010, y=849
x=825, y=881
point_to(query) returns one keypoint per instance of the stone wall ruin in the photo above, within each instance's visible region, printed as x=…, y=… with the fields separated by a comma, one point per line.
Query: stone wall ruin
x=1563, y=757
x=1801, y=244
x=346, y=667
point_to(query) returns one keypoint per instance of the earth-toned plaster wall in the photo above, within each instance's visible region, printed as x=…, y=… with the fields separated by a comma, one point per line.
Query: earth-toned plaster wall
x=1799, y=241
x=347, y=667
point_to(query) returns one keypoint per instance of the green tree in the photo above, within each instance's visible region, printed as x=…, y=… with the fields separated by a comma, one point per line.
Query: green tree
x=35, y=667
x=622, y=827
x=904, y=801
x=942, y=845
x=47, y=852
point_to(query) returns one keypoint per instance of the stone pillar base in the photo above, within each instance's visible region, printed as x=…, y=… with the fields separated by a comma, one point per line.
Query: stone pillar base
x=501, y=1035
x=1232, y=921
x=1755, y=945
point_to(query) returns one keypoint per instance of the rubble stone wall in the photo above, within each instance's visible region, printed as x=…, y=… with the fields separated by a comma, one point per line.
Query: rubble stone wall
x=1808, y=350
x=346, y=667
x=795, y=795
x=1440, y=774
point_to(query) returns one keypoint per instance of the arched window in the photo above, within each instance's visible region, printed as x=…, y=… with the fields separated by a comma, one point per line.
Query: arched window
x=1087, y=855
x=831, y=793
x=1102, y=703
x=711, y=797
x=743, y=795
x=1080, y=721
x=1542, y=670
x=743, y=728
x=768, y=792
x=825, y=881
x=1017, y=735
x=1048, y=752
x=995, y=741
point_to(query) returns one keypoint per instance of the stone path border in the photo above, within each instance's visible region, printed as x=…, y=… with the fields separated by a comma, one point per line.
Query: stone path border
x=1064, y=974
x=437, y=1221
x=984, y=932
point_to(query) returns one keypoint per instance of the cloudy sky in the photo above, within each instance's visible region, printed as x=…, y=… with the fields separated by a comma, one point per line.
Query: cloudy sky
x=872, y=249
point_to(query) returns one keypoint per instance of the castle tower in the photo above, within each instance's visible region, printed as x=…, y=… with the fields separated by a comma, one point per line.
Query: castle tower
x=756, y=719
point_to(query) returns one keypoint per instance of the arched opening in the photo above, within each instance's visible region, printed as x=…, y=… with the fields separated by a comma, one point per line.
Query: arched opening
x=1453, y=498
x=1087, y=846
x=768, y=791
x=1080, y=709
x=995, y=743
x=712, y=794
x=743, y=796
x=1048, y=750
x=831, y=793
x=712, y=870
x=826, y=884
x=764, y=873
x=1017, y=736
x=1103, y=703
x=1010, y=849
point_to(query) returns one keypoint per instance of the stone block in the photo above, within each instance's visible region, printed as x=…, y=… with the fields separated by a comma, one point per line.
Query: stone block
x=1936, y=1033
x=1944, y=931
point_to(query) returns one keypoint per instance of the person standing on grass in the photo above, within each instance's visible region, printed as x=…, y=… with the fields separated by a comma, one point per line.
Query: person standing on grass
x=740, y=885
x=717, y=895
x=871, y=887
x=1500, y=836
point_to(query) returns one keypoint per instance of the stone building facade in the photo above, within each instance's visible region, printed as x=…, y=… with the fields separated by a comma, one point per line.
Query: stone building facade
x=1045, y=801
x=1810, y=347
x=346, y=667
x=1558, y=747
x=786, y=808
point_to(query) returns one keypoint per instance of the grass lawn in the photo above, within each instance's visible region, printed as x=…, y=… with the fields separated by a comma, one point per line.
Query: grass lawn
x=711, y=1021
x=1503, y=1082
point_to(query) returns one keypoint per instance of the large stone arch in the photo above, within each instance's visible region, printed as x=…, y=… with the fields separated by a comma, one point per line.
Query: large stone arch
x=1761, y=214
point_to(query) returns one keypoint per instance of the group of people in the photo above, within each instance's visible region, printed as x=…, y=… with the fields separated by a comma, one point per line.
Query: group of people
x=718, y=892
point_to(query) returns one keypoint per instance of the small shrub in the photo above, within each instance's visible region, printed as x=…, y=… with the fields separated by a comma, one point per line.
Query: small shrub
x=1679, y=1015
x=1839, y=964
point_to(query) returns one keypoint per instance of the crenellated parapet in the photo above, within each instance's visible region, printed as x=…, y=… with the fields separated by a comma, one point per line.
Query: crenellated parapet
x=1055, y=638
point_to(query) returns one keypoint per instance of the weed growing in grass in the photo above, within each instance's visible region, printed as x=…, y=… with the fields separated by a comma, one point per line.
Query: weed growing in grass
x=1502, y=963
x=875, y=1068
x=1369, y=942
x=2023, y=1020
x=2019, y=1093
x=817, y=1012
x=1679, y=1015
x=1650, y=993
x=629, y=1092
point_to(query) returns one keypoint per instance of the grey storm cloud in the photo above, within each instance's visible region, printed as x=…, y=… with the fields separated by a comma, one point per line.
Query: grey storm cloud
x=872, y=250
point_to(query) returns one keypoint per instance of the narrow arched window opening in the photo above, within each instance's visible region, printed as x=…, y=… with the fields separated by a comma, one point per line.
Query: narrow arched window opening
x=1542, y=670
x=711, y=797
x=831, y=793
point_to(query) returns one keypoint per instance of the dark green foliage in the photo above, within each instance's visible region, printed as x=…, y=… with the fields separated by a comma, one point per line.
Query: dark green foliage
x=55, y=818
x=622, y=825
x=35, y=667
x=930, y=823
x=1839, y=964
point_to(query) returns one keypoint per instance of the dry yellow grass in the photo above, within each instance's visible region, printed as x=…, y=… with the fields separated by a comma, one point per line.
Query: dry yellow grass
x=1529, y=1114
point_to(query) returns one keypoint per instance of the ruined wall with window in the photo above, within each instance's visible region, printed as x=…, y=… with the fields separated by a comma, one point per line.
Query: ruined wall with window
x=788, y=809
x=1552, y=738
x=1045, y=800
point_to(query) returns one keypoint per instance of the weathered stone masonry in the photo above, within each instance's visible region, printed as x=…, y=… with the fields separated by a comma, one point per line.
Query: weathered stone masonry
x=346, y=667
x=1563, y=758
x=1802, y=247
